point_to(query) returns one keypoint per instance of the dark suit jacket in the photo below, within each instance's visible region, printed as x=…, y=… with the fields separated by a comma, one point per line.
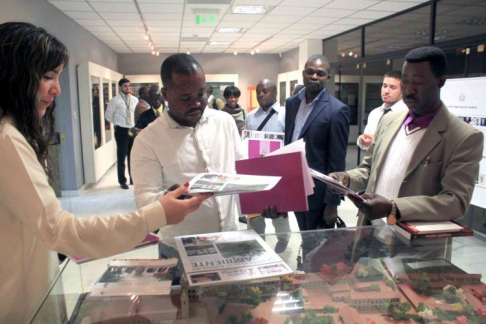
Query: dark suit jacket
x=146, y=118
x=326, y=136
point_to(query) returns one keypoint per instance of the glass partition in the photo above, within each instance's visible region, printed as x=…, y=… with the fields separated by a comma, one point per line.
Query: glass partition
x=457, y=19
x=95, y=102
x=408, y=30
x=344, y=48
x=106, y=100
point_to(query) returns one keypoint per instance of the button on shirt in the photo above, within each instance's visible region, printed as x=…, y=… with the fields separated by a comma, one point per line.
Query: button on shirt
x=166, y=153
x=304, y=112
x=276, y=123
x=116, y=113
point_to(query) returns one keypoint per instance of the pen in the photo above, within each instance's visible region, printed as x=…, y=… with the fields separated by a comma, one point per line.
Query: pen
x=427, y=161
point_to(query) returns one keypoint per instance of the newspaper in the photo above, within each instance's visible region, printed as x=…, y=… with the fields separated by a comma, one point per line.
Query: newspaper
x=334, y=184
x=230, y=184
x=136, y=277
x=220, y=258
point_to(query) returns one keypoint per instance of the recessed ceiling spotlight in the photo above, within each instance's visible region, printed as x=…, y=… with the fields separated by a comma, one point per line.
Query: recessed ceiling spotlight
x=252, y=52
x=157, y=53
x=350, y=53
x=257, y=50
x=231, y=30
x=220, y=43
x=250, y=10
x=153, y=52
x=343, y=54
x=147, y=36
x=235, y=52
x=188, y=52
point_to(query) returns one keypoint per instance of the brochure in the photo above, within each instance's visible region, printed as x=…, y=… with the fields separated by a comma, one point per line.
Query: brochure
x=221, y=258
x=334, y=184
x=259, y=144
x=136, y=277
x=230, y=184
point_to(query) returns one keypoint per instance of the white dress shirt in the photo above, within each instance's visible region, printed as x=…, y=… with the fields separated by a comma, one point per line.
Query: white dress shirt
x=375, y=116
x=276, y=123
x=166, y=153
x=304, y=111
x=33, y=225
x=116, y=113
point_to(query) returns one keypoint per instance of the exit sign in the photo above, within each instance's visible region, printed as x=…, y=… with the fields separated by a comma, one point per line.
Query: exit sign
x=205, y=19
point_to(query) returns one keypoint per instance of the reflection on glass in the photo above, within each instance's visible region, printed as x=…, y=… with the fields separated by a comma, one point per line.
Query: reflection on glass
x=106, y=100
x=405, y=31
x=95, y=95
x=347, y=90
x=108, y=134
x=348, y=47
x=457, y=19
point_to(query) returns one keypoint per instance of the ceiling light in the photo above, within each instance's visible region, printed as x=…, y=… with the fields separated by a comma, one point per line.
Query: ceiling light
x=280, y=55
x=250, y=10
x=235, y=52
x=343, y=54
x=150, y=44
x=355, y=55
x=157, y=53
x=152, y=47
x=252, y=52
x=231, y=30
x=220, y=43
x=146, y=37
x=153, y=52
x=257, y=50
x=188, y=52
x=350, y=53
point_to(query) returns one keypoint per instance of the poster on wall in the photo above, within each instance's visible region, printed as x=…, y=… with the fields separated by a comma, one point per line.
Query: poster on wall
x=465, y=99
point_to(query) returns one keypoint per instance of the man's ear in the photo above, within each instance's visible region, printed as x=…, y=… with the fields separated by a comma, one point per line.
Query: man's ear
x=164, y=94
x=442, y=81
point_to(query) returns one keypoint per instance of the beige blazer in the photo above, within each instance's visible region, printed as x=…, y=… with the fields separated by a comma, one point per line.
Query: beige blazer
x=434, y=191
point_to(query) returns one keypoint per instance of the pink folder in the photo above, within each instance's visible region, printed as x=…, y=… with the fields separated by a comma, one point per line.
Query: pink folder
x=287, y=195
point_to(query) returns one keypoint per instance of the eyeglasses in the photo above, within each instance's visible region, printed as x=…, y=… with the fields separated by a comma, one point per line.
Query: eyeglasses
x=311, y=72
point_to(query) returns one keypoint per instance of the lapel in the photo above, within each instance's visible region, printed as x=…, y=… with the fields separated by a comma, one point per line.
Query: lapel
x=432, y=137
x=318, y=107
x=386, y=138
x=291, y=114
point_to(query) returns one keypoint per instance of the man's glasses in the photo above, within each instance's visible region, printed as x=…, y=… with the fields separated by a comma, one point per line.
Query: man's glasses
x=311, y=72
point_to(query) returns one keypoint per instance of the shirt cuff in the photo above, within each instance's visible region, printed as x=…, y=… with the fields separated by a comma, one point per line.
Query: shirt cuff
x=154, y=215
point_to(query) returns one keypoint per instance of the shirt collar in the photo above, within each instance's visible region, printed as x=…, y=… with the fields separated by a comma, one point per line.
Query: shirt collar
x=275, y=107
x=413, y=121
x=303, y=91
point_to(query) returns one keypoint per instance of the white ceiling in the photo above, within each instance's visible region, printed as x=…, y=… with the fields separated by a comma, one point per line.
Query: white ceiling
x=120, y=24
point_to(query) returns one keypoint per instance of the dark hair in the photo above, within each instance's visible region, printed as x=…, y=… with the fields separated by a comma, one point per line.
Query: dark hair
x=231, y=91
x=178, y=63
x=319, y=57
x=434, y=55
x=26, y=54
x=394, y=74
x=122, y=81
x=141, y=91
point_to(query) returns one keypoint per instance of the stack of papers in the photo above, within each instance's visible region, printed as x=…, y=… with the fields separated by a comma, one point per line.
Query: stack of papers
x=230, y=184
x=221, y=258
x=334, y=184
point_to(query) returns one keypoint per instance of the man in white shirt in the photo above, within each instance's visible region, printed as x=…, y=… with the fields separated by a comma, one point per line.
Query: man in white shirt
x=391, y=94
x=120, y=112
x=270, y=108
x=187, y=139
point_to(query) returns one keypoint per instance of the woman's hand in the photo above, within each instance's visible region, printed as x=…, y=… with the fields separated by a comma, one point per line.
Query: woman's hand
x=177, y=209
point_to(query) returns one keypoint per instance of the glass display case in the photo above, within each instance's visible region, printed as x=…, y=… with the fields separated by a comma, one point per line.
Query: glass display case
x=354, y=275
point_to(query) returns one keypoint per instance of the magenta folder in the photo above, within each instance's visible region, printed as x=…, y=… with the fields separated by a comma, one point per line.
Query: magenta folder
x=287, y=195
x=258, y=148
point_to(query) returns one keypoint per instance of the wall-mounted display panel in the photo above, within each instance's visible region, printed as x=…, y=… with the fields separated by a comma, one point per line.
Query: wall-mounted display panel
x=97, y=85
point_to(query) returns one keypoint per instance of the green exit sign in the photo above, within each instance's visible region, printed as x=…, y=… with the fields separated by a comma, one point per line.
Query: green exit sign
x=205, y=19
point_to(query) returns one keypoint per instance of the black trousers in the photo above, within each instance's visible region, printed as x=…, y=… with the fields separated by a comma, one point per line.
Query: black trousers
x=122, y=151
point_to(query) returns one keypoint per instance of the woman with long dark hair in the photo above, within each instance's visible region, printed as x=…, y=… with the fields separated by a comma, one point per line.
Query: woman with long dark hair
x=33, y=224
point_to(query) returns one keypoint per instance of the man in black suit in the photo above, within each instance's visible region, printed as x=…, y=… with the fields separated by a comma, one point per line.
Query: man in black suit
x=323, y=122
x=156, y=107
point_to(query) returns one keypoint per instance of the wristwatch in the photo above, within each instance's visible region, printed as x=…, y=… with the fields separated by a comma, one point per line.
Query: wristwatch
x=391, y=219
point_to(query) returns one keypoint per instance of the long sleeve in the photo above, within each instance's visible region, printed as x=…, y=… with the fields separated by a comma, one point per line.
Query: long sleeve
x=457, y=185
x=338, y=142
x=110, y=111
x=27, y=197
x=146, y=172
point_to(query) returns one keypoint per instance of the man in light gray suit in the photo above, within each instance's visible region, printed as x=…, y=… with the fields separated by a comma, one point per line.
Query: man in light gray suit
x=424, y=162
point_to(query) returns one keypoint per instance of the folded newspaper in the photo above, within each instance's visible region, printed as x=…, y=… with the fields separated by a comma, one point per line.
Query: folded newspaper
x=136, y=277
x=221, y=258
x=230, y=184
x=334, y=184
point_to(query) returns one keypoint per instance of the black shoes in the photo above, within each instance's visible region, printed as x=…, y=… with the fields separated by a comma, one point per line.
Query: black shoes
x=281, y=246
x=123, y=186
